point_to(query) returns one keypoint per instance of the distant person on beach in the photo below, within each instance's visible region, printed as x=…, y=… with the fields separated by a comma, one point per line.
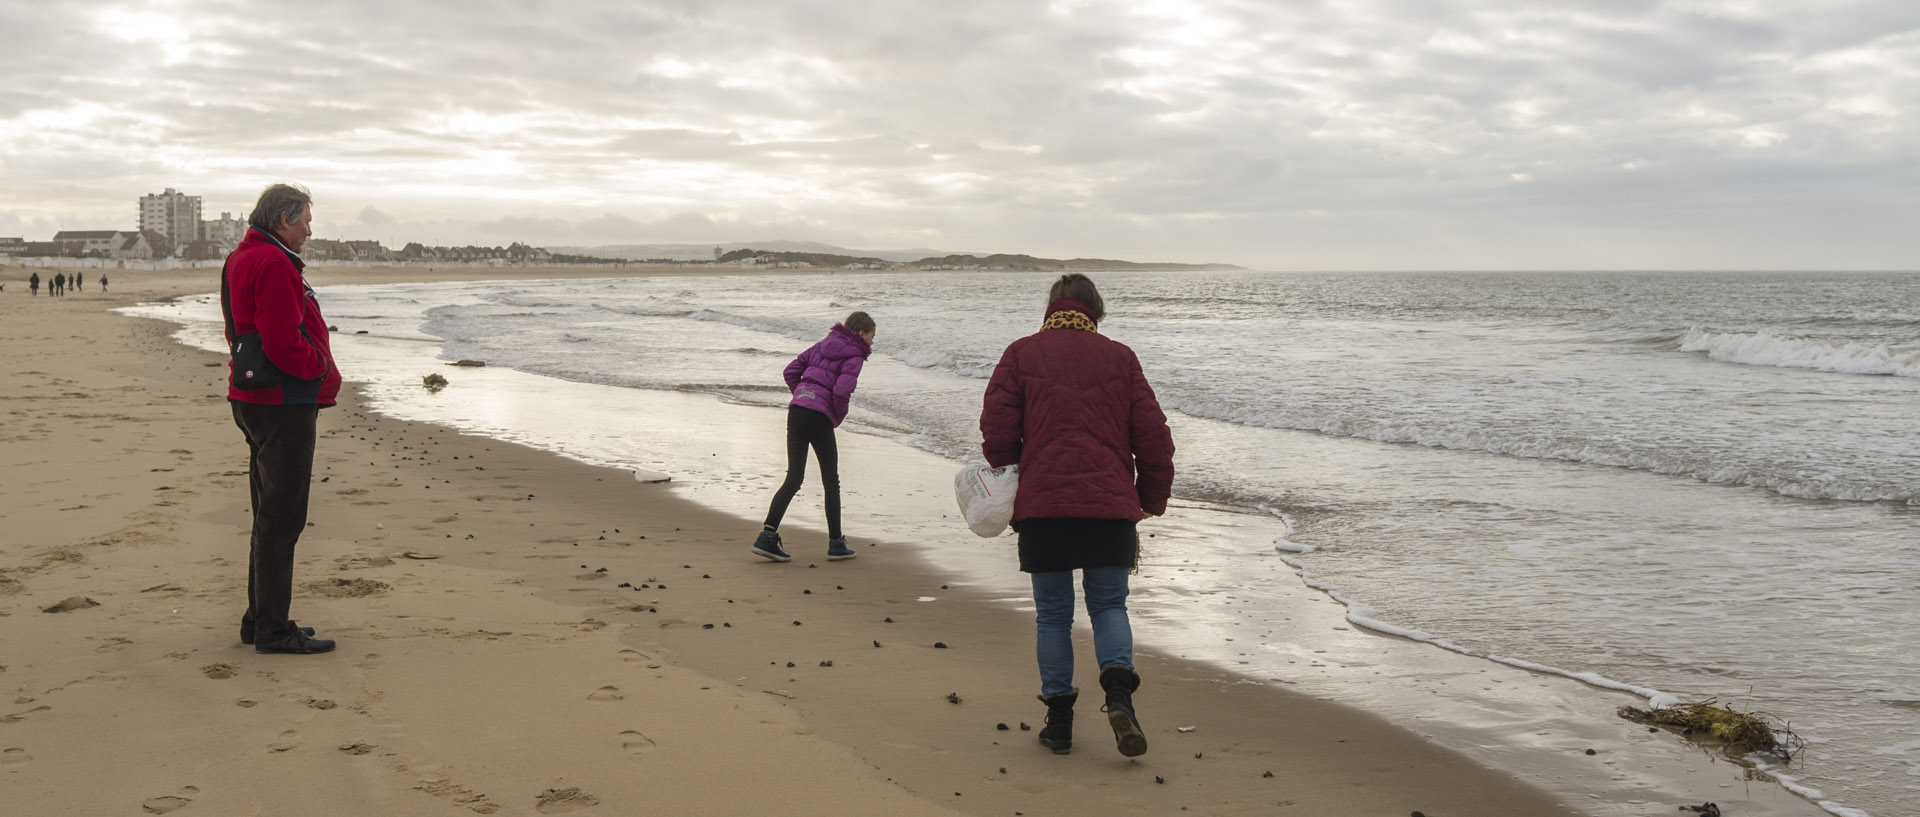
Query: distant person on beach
x=103, y=282
x=822, y=380
x=263, y=291
x=59, y=284
x=34, y=284
x=79, y=283
x=1073, y=410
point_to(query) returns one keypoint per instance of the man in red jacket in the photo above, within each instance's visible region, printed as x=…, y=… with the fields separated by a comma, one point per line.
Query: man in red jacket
x=263, y=291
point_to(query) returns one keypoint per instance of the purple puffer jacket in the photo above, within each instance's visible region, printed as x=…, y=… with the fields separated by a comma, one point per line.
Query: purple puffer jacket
x=823, y=378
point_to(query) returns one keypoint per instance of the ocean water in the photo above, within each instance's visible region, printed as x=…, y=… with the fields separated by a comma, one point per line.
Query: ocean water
x=1675, y=484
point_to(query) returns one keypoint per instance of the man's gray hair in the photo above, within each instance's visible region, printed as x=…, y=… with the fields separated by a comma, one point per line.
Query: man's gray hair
x=279, y=203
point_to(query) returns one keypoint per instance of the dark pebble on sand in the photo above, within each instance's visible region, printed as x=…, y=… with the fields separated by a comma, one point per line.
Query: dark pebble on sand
x=1196, y=755
x=806, y=592
x=727, y=624
x=943, y=587
x=789, y=663
x=1270, y=774
x=796, y=623
x=876, y=643
x=1159, y=779
x=601, y=570
x=827, y=663
x=1025, y=728
x=1592, y=752
x=939, y=645
x=626, y=584
x=953, y=697
x=889, y=619
x=706, y=575
x=706, y=626
x=1002, y=727
x=1419, y=814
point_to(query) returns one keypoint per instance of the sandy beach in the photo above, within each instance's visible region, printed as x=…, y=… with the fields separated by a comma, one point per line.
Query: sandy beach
x=521, y=633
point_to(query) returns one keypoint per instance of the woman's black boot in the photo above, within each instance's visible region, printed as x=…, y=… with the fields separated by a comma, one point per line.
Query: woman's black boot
x=1120, y=682
x=1058, y=733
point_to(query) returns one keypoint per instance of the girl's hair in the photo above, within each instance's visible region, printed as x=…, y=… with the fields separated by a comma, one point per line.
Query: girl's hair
x=1079, y=287
x=859, y=322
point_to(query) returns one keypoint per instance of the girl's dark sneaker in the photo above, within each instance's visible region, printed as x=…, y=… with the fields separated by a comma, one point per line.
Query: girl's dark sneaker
x=768, y=545
x=837, y=549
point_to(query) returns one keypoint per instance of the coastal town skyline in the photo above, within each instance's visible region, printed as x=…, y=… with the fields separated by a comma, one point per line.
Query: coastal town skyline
x=1372, y=135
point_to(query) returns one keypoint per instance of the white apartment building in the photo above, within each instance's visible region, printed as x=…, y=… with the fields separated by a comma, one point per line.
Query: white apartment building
x=172, y=214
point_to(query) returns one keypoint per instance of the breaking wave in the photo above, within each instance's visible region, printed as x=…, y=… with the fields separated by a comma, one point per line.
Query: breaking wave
x=1787, y=352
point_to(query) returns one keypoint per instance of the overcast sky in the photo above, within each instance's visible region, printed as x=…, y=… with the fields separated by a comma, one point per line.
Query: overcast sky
x=1346, y=134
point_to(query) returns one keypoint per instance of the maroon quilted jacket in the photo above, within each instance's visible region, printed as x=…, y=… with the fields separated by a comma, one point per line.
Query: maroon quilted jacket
x=1073, y=409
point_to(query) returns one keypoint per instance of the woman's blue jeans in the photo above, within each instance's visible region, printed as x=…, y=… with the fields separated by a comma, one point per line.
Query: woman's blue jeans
x=1106, y=590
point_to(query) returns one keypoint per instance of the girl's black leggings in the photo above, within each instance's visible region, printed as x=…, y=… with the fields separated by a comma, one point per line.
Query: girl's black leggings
x=806, y=427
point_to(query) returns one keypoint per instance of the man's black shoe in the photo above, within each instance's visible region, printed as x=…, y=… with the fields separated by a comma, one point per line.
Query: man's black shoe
x=246, y=632
x=295, y=642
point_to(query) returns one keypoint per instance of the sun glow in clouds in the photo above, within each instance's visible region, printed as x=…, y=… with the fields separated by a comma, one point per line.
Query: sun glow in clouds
x=161, y=26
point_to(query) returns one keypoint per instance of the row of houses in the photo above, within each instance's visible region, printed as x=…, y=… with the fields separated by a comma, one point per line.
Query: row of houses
x=119, y=245
x=763, y=262
x=516, y=253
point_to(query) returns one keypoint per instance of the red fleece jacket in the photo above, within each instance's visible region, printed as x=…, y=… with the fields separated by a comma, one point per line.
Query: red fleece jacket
x=268, y=295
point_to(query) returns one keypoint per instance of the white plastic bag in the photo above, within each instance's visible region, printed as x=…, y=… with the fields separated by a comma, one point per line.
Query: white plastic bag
x=986, y=496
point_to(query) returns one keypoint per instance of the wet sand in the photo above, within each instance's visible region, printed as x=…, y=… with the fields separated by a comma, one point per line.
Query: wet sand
x=522, y=633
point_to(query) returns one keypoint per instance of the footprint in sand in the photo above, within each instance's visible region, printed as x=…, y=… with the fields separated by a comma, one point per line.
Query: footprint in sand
x=634, y=657
x=286, y=744
x=14, y=757
x=606, y=695
x=162, y=805
x=347, y=588
x=561, y=801
x=372, y=661
x=219, y=672
x=20, y=716
x=634, y=742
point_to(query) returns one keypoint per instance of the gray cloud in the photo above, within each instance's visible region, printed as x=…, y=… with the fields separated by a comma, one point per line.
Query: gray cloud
x=1366, y=134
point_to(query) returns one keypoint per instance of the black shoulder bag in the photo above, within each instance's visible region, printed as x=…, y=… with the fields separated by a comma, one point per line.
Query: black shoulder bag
x=251, y=368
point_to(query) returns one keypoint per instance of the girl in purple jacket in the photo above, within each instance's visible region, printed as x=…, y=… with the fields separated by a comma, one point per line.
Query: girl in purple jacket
x=822, y=380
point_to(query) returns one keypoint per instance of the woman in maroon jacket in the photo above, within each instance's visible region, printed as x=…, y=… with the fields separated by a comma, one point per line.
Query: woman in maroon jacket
x=1072, y=408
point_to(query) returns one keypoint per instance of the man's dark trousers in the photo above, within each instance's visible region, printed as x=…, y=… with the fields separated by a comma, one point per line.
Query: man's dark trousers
x=280, y=441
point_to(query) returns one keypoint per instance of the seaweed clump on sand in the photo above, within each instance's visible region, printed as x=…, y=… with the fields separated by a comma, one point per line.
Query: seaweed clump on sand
x=434, y=382
x=1736, y=734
